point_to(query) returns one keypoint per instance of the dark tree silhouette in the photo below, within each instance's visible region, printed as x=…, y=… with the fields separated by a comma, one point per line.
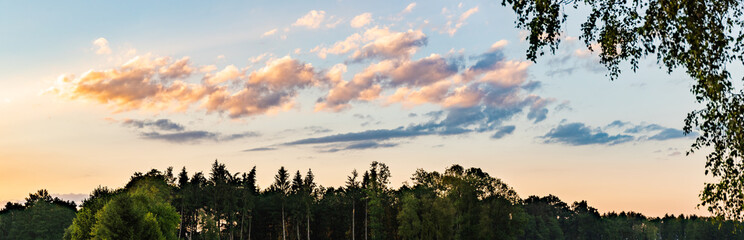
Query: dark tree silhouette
x=460, y=203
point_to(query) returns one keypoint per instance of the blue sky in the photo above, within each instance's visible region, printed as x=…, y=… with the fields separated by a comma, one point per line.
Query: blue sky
x=94, y=91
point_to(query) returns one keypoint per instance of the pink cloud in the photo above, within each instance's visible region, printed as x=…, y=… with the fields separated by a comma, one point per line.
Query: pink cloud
x=422, y=72
x=386, y=44
x=284, y=73
x=396, y=78
x=230, y=72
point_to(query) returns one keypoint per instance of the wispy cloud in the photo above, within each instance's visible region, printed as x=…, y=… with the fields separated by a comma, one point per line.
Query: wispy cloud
x=456, y=121
x=361, y=20
x=160, y=124
x=408, y=8
x=579, y=134
x=378, y=134
x=181, y=137
x=312, y=19
x=101, y=46
x=270, y=32
x=670, y=133
x=195, y=136
x=169, y=131
x=235, y=136
x=453, y=25
x=503, y=131
x=317, y=129
x=574, y=57
x=363, y=146
x=260, y=149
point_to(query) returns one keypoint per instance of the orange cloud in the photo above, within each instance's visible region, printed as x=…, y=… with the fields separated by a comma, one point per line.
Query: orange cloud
x=284, y=73
x=160, y=83
x=179, y=69
x=230, y=72
x=133, y=86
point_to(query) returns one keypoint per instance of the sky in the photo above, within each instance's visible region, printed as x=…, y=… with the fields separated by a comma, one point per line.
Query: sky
x=92, y=92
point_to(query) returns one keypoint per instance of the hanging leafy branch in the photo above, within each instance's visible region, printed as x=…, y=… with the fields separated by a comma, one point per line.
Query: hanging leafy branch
x=701, y=37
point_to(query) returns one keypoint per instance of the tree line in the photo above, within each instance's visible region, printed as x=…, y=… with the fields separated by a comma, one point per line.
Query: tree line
x=458, y=203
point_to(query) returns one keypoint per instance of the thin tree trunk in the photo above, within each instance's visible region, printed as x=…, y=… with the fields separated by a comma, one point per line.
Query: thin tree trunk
x=353, y=216
x=365, y=219
x=188, y=236
x=284, y=228
x=308, y=224
x=250, y=221
x=298, y=230
x=232, y=229
x=217, y=223
x=181, y=225
x=242, y=223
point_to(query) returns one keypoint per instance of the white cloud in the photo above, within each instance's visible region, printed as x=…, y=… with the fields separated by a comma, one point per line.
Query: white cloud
x=269, y=33
x=312, y=19
x=102, y=46
x=207, y=68
x=467, y=14
x=387, y=44
x=230, y=72
x=408, y=8
x=332, y=22
x=350, y=43
x=376, y=43
x=499, y=45
x=361, y=20
x=452, y=27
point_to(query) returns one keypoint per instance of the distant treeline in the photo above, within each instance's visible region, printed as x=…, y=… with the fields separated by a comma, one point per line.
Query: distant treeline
x=459, y=203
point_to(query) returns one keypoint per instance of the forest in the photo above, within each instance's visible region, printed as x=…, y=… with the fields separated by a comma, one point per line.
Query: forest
x=459, y=203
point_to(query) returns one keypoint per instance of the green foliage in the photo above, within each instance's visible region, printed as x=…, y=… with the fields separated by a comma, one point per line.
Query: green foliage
x=546, y=216
x=701, y=37
x=410, y=223
x=41, y=217
x=85, y=219
x=462, y=204
x=139, y=211
x=459, y=203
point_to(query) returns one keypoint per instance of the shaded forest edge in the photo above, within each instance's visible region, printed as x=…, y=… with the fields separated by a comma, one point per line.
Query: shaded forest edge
x=459, y=203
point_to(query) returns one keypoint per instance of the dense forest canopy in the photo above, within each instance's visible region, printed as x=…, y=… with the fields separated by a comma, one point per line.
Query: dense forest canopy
x=459, y=203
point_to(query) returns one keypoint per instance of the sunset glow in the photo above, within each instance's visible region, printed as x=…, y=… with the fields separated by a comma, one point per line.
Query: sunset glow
x=93, y=92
